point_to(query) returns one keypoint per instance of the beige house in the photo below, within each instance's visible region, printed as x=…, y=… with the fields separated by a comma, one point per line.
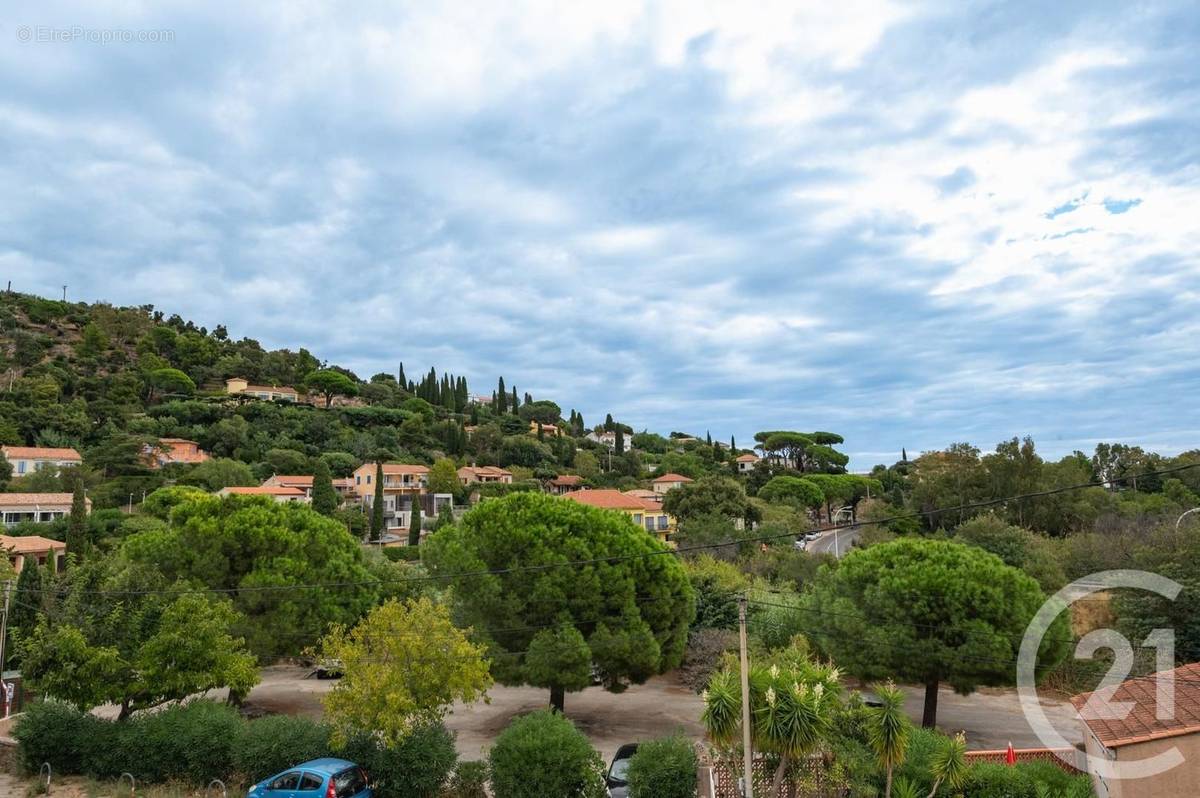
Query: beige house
x=279, y=493
x=1121, y=724
x=236, y=386
x=33, y=547
x=745, y=462
x=37, y=507
x=405, y=490
x=565, y=483
x=646, y=513
x=547, y=430
x=669, y=482
x=469, y=474
x=27, y=459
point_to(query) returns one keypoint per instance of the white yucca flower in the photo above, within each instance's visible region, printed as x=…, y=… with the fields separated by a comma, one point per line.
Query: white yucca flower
x=818, y=689
x=704, y=696
x=774, y=671
x=771, y=696
x=834, y=674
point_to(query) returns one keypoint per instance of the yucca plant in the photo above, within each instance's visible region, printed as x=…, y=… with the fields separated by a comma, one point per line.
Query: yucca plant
x=949, y=763
x=888, y=730
x=903, y=788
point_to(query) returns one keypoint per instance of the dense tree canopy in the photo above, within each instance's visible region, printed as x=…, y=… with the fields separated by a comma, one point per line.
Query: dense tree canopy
x=928, y=611
x=629, y=617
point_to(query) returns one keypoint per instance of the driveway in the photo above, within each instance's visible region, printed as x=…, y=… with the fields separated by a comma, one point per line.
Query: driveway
x=836, y=542
x=990, y=717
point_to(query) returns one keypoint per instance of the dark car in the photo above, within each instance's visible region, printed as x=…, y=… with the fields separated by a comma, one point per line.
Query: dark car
x=320, y=778
x=615, y=780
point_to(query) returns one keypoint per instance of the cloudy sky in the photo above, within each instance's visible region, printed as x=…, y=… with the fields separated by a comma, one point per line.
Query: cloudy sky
x=911, y=223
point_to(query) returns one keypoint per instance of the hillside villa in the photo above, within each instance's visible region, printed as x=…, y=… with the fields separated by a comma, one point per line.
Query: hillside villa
x=669, y=482
x=485, y=474
x=304, y=482
x=174, y=450
x=405, y=489
x=745, y=462
x=27, y=459
x=564, y=484
x=33, y=547
x=236, y=386
x=646, y=513
x=37, y=507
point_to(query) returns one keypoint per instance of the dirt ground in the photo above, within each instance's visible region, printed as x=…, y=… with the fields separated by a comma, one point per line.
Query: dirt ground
x=990, y=717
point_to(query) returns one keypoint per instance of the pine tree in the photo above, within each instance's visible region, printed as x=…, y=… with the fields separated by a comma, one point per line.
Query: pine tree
x=324, y=497
x=414, y=522
x=377, y=504
x=77, y=525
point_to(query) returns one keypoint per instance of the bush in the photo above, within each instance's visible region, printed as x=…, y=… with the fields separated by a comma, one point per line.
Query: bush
x=192, y=742
x=663, y=768
x=542, y=755
x=268, y=745
x=469, y=781
x=403, y=553
x=416, y=769
x=52, y=732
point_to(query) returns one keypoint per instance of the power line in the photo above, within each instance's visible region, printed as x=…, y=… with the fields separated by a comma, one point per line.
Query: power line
x=616, y=558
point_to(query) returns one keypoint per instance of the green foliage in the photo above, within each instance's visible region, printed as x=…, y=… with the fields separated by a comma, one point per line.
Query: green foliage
x=168, y=380
x=377, y=520
x=888, y=729
x=403, y=553
x=928, y=611
x=245, y=542
x=543, y=754
x=716, y=585
x=160, y=503
x=324, y=498
x=443, y=478
x=720, y=496
x=796, y=491
x=468, y=781
x=416, y=767
x=330, y=383
x=634, y=612
x=664, y=768
x=265, y=746
x=217, y=473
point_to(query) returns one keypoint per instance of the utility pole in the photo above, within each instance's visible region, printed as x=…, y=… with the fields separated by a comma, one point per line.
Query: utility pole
x=64, y=293
x=747, y=749
x=4, y=646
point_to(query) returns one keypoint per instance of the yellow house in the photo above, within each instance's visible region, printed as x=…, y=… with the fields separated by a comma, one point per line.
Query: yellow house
x=646, y=513
x=236, y=386
x=550, y=430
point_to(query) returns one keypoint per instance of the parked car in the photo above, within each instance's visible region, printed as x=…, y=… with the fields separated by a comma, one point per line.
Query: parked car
x=615, y=780
x=329, y=669
x=320, y=778
x=801, y=544
x=812, y=536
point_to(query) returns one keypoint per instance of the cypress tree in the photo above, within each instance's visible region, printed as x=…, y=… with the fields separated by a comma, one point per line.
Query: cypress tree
x=708, y=437
x=541, y=435
x=377, y=504
x=414, y=522
x=528, y=398
x=501, y=396
x=77, y=525
x=580, y=427
x=400, y=376
x=903, y=455
x=25, y=613
x=475, y=413
x=608, y=423
x=732, y=445
x=620, y=442
x=516, y=402
x=324, y=497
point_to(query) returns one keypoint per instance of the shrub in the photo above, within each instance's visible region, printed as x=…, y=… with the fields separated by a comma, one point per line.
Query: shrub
x=403, y=553
x=663, y=768
x=998, y=781
x=193, y=742
x=541, y=755
x=469, y=781
x=922, y=744
x=417, y=768
x=266, y=746
x=52, y=732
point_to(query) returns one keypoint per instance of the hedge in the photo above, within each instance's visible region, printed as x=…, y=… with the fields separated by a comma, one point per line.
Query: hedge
x=202, y=740
x=402, y=553
x=542, y=755
x=663, y=768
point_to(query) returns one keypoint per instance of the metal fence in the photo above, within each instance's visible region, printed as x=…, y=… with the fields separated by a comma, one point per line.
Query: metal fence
x=815, y=777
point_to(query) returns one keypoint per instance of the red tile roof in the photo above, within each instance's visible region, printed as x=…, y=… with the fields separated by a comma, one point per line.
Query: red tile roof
x=297, y=480
x=673, y=478
x=606, y=499
x=29, y=544
x=401, y=468
x=39, y=453
x=262, y=490
x=483, y=471
x=1114, y=728
x=32, y=499
x=567, y=480
x=747, y=458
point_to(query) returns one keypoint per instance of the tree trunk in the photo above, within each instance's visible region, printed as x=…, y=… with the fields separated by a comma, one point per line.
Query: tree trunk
x=124, y=710
x=777, y=781
x=929, y=718
x=936, y=783
x=557, y=699
x=887, y=787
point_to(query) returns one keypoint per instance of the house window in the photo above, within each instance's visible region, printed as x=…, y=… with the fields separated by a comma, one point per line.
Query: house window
x=368, y=479
x=20, y=466
x=649, y=523
x=637, y=518
x=357, y=480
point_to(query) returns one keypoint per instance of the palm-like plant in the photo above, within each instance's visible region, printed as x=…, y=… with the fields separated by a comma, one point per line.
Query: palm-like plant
x=791, y=704
x=888, y=730
x=949, y=763
x=903, y=788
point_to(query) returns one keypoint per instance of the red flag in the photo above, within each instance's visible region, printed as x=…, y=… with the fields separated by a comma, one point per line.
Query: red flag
x=1010, y=756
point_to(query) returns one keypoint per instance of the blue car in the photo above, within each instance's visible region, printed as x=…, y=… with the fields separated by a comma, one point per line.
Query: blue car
x=320, y=778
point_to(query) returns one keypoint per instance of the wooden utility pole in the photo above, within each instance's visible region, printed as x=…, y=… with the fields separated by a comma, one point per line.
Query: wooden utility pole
x=4, y=646
x=748, y=750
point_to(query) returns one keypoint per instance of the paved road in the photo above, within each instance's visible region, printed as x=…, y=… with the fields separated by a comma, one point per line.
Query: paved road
x=837, y=542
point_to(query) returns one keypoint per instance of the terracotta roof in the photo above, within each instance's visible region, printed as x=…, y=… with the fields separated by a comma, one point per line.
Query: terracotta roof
x=567, y=480
x=29, y=544
x=606, y=499
x=642, y=493
x=401, y=468
x=262, y=490
x=290, y=480
x=489, y=471
x=747, y=458
x=651, y=504
x=674, y=478
x=40, y=452
x=32, y=499
x=177, y=440
x=1114, y=728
